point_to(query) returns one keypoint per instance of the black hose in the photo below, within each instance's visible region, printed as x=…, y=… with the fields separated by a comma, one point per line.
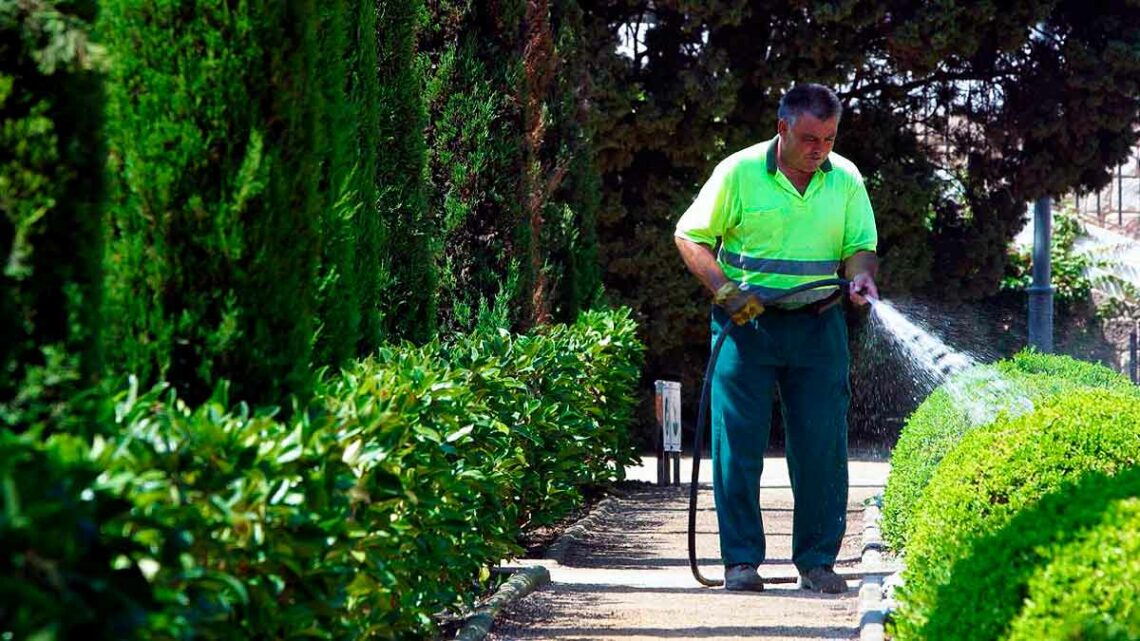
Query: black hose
x=702, y=414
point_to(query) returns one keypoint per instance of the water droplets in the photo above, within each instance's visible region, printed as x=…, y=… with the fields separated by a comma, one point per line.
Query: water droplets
x=980, y=391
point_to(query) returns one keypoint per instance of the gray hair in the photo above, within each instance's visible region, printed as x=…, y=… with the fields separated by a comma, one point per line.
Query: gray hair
x=818, y=100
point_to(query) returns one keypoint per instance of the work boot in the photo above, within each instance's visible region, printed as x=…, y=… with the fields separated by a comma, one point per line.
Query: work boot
x=822, y=579
x=742, y=577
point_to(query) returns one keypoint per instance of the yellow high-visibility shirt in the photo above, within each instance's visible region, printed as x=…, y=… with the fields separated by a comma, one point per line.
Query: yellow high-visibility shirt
x=773, y=238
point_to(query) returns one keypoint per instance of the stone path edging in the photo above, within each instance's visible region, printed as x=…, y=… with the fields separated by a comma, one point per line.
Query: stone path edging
x=872, y=605
x=527, y=579
x=575, y=533
x=522, y=582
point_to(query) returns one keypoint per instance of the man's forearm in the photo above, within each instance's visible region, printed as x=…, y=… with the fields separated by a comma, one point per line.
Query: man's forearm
x=702, y=262
x=861, y=263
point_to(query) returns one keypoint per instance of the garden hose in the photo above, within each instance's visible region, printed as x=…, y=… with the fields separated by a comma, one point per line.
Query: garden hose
x=702, y=413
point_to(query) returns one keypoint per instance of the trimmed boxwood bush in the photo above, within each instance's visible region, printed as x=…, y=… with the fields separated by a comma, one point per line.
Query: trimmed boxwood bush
x=1088, y=590
x=969, y=400
x=1001, y=469
x=1049, y=551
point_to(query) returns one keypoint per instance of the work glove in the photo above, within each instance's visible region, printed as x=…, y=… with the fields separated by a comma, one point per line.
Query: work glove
x=741, y=306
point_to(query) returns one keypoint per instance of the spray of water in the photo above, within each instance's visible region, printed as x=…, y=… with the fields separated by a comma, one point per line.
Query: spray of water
x=981, y=392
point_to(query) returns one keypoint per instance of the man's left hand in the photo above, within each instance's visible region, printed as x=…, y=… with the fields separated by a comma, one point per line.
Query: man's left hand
x=863, y=287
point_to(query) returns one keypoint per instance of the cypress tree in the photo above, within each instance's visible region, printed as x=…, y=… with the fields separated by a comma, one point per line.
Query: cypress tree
x=408, y=240
x=539, y=178
x=51, y=222
x=213, y=126
x=477, y=163
x=364, y=94
x=341, y=205
x=576, y=201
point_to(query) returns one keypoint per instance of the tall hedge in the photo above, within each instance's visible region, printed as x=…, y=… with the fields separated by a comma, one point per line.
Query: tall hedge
x=338, y=297
x=51, y=227
x=570, y=239
x=474, y=75
x=406, y=273
x=213, y=125
x=364, y=92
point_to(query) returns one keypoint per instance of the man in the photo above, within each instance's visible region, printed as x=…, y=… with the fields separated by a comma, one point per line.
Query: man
x=785, y=212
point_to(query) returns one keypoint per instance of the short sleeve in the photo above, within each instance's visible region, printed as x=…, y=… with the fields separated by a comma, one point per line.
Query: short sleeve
x=859, y=233
x=708, y=217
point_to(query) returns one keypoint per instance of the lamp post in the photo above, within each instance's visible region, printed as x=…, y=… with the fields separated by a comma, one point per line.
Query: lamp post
x=1041, y=291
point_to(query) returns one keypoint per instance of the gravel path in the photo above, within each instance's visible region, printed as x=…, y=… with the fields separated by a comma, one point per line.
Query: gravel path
x=626, y=576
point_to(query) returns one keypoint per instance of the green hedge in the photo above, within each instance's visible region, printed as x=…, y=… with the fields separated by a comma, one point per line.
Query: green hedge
x=997, y=471
x=381, y=504
x=473, y=76
x=410, y=234
x=1030, y=554
x=576, y=428
x=967, y=401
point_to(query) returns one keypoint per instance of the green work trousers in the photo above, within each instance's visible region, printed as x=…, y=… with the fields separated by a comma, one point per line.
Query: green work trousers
x=805, y=357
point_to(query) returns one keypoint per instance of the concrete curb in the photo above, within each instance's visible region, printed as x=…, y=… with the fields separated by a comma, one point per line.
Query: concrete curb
x=872, y=606
x=522, y=582
x=580, y=530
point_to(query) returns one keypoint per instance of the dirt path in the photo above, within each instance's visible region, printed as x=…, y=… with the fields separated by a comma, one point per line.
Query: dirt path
x=628, y=578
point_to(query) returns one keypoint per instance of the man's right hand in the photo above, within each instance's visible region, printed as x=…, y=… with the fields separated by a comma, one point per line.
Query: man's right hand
x=741, y=306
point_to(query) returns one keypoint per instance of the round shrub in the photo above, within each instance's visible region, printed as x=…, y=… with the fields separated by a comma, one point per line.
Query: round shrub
x=1001, y=469
x=969, y=400
x=1068, y=369
x=1088, y=590
x=987, y=586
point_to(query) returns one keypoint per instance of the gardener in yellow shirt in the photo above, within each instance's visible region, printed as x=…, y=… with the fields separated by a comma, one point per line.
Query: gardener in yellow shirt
x=775, y=215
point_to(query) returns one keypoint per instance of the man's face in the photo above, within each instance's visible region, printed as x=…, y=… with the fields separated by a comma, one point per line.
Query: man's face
x=805, y=145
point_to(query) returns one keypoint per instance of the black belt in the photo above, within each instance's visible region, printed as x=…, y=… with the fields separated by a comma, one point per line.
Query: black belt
x=813, y=309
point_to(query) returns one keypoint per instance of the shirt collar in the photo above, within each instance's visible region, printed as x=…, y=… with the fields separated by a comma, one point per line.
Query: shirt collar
x=773, y=166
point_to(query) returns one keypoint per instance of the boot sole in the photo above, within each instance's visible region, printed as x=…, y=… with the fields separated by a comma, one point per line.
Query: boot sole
x=751, y=587
x=806, y=584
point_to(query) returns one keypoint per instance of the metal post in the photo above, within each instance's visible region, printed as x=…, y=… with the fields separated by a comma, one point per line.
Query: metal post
x=1132, y=366
x=662, y=457
x=1041, y=291
x=1120, y=195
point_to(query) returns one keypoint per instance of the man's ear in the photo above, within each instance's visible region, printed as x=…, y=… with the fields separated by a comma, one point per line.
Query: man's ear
x=782, y=127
